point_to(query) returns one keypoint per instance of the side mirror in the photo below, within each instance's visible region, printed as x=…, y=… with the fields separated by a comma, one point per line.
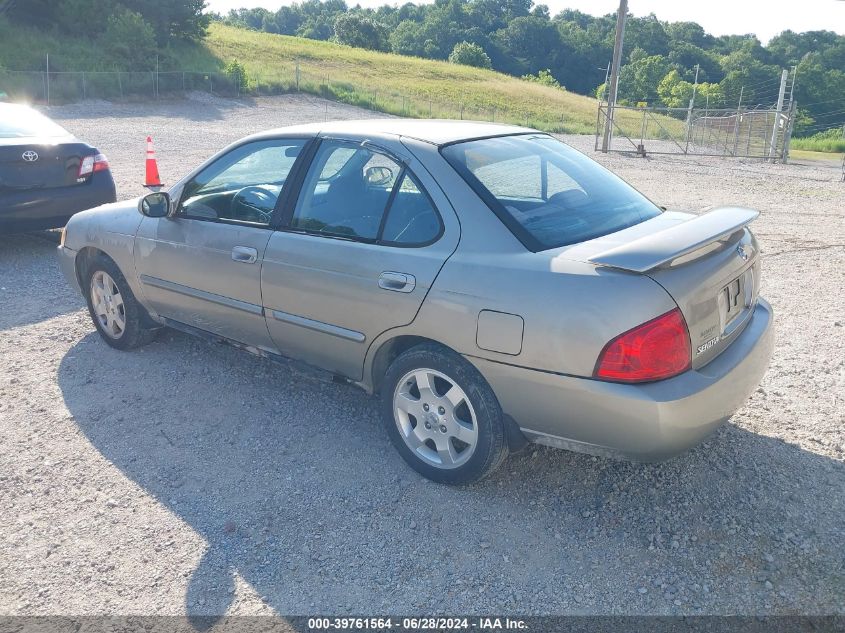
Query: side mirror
x=155, y=205
x=378, y=175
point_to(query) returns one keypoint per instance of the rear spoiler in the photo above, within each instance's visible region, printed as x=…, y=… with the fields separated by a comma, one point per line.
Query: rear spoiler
x=662, y=247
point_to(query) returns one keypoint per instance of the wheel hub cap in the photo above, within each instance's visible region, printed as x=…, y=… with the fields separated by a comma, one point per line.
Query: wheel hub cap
x=435, y=418
x=108, y=306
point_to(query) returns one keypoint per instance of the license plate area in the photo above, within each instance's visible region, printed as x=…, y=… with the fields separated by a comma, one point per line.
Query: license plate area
x=734, y=299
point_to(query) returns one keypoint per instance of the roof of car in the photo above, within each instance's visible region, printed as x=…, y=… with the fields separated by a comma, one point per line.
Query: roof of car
x=436, y=131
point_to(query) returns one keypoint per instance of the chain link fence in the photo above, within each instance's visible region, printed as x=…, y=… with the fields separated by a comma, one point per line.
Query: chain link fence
x=736, y=132
x=67, y=87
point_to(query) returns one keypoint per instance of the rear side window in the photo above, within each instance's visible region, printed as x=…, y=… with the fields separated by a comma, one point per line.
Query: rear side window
x=547, y=193
x=411, y=219
x=356, y=193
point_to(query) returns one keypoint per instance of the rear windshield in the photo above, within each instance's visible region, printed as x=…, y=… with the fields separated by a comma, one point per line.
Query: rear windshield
x=18, y=121
x=547, y=193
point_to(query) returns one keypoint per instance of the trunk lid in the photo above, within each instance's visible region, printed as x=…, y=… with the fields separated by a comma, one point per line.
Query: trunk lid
x=35, y=164
x=709, y=264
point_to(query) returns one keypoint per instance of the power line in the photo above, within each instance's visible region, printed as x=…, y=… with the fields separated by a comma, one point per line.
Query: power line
x=839, y=100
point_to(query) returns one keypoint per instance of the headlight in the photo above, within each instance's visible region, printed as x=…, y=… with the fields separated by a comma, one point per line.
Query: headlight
x=62, y=237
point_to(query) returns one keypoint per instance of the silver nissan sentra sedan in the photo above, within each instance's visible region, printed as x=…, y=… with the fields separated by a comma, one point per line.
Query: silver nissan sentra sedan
x=491, y=284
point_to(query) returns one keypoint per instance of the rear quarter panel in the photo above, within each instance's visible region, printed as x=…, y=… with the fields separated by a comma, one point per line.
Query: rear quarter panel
x=570, y=309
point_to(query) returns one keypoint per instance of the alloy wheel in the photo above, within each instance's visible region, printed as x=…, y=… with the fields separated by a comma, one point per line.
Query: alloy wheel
x=435, y=418
x=108, y=305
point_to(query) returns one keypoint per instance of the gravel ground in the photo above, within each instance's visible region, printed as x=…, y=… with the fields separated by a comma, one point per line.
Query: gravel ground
x=193, y=478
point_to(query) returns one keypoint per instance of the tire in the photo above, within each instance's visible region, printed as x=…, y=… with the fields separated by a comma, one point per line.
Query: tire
x=121, y=321
x=432, y=425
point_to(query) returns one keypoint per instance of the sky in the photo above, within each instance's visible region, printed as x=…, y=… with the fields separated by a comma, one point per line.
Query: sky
x=764, y=18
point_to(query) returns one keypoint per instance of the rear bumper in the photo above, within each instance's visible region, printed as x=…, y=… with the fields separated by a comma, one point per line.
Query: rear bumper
x=648, y=422
x=37, y=209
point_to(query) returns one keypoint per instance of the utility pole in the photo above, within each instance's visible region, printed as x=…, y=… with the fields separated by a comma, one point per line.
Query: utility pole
x=694, y=86
x=621, y=16
x=606, y=79
x=787, y=135
x=738, y=120
x=691, y=106
x=792, y=109
x=48, y=79
x=781, y=92
x=792, y=87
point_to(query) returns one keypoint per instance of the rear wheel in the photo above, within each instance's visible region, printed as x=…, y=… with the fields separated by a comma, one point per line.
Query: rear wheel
x=117, y=315
x=442, y=416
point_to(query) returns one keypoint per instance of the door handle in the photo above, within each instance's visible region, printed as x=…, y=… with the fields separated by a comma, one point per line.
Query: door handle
x=398, y=282
x=244, y=254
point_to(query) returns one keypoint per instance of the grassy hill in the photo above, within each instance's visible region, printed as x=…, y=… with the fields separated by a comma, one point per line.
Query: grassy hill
x=398, y=84
x=391, y=83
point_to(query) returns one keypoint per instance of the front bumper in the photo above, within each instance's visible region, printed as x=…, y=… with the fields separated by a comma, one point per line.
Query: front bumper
x=67, y=263
x=646, y=422
x=37, y=209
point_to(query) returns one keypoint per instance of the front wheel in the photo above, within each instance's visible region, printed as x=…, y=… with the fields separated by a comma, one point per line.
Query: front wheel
x=442, y=416
x=117, y=315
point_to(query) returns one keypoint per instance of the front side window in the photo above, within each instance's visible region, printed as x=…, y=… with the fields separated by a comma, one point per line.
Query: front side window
x=547, y=193
x=357, y=193
x=243, y=185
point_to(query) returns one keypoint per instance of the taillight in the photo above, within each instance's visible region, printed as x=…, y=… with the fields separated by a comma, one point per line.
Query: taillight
x=657, y=349
x=92, y=164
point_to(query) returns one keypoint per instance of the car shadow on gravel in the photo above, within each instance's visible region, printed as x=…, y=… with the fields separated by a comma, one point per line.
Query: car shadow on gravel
x=295, y=487
x=32, y=288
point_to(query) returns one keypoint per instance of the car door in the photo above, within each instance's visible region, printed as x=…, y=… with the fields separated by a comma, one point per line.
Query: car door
x=356, y=257
x=202, y=266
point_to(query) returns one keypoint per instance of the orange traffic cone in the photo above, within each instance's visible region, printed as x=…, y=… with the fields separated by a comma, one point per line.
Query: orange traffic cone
x=152, y=178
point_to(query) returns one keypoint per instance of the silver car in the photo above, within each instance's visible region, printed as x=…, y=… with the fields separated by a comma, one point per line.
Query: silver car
x=491, y=284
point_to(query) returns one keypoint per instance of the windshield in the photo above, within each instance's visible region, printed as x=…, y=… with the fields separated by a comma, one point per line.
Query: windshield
x=547, y=193
x=18, y=121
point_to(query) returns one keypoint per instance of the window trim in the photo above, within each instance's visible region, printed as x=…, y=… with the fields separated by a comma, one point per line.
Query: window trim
x=284, y=224
x=307, y=142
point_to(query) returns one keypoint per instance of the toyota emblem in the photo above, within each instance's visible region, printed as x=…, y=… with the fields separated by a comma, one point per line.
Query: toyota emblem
x=30, y=156
x=740, y=250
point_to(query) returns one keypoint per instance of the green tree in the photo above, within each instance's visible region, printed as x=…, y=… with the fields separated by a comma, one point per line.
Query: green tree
x=690, y=33
x=545, y=78
x=238, y=75
x=469, y=54
x=639, y=80
x=674, y=91
x=354, y=29
x=129, y=40
x=646, y=33
x=684, y=57
x=406, y=38
x=84, y=18
x=172, y=19
x=789, y=48
x=530, y=41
